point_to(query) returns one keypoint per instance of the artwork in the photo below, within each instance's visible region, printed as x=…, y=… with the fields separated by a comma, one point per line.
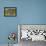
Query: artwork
x=10, y=11
x=32, y=32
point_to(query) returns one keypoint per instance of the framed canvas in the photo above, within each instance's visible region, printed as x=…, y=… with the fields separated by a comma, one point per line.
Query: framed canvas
x=33, y=32
x=10, y=11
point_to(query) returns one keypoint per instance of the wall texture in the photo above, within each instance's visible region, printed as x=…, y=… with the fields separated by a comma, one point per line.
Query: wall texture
x=28, y=12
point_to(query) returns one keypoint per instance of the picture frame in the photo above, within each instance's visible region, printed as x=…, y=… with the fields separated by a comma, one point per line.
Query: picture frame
x=10, y=11
x=37, y=29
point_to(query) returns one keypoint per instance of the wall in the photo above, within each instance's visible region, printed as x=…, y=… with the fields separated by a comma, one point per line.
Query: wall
x=28, y=12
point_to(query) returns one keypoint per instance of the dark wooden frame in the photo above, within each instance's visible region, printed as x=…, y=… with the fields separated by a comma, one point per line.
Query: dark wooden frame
x=9, y=15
